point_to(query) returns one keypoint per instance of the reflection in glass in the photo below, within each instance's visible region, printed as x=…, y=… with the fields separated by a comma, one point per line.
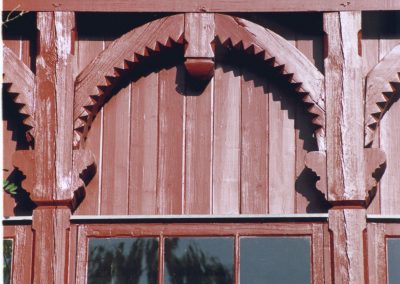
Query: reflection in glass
x=393, y=251
x=7, y=260
x=123, y=260
x=200, y=260
x=275, y=260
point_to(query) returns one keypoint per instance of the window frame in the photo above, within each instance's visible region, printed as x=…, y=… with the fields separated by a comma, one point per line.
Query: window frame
x=317, y=232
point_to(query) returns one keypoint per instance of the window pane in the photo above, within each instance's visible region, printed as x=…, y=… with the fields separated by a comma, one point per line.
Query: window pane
x=123, y=260
x=275, y=260
x=393, y=251
x=200, y=260
x=7, y=256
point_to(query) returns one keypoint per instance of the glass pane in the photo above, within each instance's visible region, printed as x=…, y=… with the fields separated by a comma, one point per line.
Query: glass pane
x=275, y=260
x=7, y=256
x=123, y=260
x=200, y=260
x=393, y=250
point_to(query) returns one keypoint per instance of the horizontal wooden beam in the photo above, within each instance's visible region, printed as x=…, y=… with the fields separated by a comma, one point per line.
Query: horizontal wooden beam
x=201, y=5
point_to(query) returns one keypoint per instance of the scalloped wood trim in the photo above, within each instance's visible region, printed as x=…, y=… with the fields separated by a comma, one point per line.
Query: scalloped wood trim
x=287, y=59
x=383, y=81
x=21, y=81
x=98, y=78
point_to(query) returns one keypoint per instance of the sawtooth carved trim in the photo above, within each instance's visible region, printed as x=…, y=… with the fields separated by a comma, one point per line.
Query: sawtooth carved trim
x=382, y=85
x=281, y=55
x=98, y=79
x=19, y=82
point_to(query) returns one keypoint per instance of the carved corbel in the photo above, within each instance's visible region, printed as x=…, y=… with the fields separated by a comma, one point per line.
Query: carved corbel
x=374, y=164
x=83, y=170
x=199, y=49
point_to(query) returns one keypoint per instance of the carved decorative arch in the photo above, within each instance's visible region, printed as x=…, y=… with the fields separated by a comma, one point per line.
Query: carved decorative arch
x=19, y=82
x=100, y=77
x=382, y=83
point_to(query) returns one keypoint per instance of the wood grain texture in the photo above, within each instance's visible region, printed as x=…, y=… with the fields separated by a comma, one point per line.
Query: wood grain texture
x=289, y=62
x=51, y=243
x=170, y=178
x=383, y=82
x=203, y=6
x=87, y=50
x=115, y=154
x=22, y=238
x=198, y=149
x=254, y=146
x=226, y=146
x=21, y=78
x=347, y=226
x=144, y=146
x=343, y=83
x=199, y=33
x=122, y=54
x=282, y=163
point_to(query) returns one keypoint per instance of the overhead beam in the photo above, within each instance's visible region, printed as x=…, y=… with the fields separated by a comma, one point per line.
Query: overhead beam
x=201, y=5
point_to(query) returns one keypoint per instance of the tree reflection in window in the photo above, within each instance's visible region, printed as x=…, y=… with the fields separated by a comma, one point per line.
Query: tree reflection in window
x=200, y=260
x=123, y=260
x=7, y=260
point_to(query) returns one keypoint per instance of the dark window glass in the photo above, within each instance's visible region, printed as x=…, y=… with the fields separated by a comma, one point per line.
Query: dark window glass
x=393, y=251
x=200, y=260
x=7, y=256
x=123, y=260
x=275, y=260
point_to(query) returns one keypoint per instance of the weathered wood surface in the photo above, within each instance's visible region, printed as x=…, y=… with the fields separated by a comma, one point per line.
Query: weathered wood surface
x=98, y=79
x=383, y=82
x=21, y=81
x=202, y=6
x=344, y=104
x=347, y=227
x=199, y=37
x=283, y=56
x=51, y=231
x=22, y=238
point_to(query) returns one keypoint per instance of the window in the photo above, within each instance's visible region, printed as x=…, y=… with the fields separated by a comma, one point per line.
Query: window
x=393, y=256
x=214, y=253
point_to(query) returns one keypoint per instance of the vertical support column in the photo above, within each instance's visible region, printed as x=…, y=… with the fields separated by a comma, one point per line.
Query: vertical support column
x=53, y=177
x=344, y=107
x=345, y=145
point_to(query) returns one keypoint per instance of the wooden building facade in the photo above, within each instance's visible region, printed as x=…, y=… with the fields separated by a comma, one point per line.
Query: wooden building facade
x=232, y=122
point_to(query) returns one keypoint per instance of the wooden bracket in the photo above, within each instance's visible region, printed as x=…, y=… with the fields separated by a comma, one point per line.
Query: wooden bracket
x=374, y=161
x=199, y=52
x=84, y=167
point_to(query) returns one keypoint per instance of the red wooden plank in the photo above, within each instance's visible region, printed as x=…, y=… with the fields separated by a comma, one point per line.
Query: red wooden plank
x=198, y=150
x=115, y=165
x=170, y=141
x=226, y=148
x=282, y=158
x=254, y=153
x=143, y=146
x=86, y=51
x=201, y=5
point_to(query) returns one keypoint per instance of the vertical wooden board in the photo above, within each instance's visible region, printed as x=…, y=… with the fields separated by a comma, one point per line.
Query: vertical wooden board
x=303, y=131
x=282, y=162
x=115, y=166
x=87, y=50
x=226, y=146
x=198, y=154
x=15, y=46
x=254, y=148
x=9, y=147
x=143, y=146
x=389, y=140
x=170, y=141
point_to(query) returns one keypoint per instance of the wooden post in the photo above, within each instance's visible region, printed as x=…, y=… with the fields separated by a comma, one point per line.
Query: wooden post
x=346, y=159
x=53, y=169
